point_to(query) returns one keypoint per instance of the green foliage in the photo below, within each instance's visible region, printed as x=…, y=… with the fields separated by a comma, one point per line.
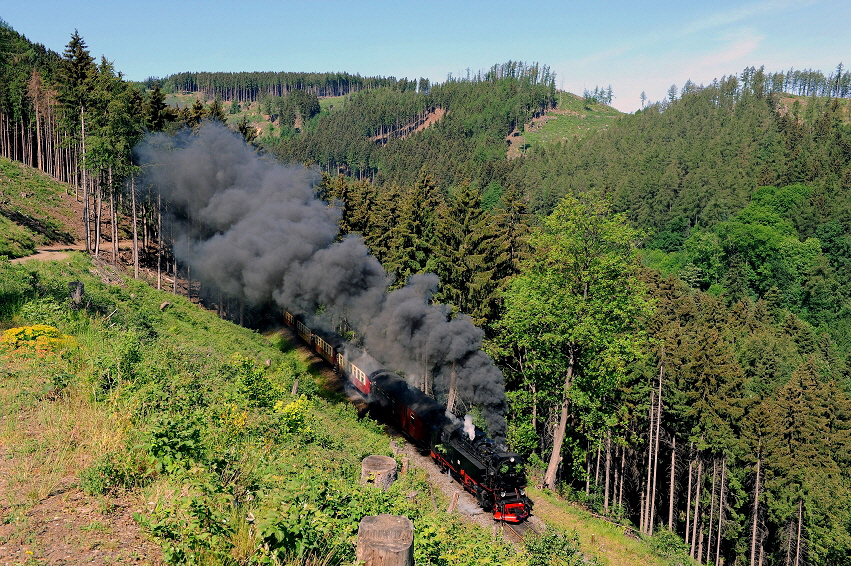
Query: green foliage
x=671, y=547
x=197, y=529
x=555, y=548
x=117, y=471
x=174, y=444
x=571, y=315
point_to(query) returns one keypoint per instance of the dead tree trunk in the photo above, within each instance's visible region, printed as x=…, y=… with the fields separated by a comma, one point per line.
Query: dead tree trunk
x=135, y=228
x=671, y=489
x=756, y=503
x=558, y=440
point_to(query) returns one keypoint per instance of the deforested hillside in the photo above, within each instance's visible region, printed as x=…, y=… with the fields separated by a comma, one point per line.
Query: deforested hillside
x=467, y=144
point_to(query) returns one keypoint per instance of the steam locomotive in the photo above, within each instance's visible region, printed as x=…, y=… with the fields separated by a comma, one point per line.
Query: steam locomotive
x=495, y=477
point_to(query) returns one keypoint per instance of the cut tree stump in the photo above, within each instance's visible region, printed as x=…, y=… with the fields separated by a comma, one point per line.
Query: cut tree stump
x=385, y=540
x=378, y=470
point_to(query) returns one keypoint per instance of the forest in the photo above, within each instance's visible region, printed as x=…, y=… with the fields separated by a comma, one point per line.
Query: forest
x=667, y=298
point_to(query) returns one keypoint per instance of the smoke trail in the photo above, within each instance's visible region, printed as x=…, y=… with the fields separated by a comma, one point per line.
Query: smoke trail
x=253, y=228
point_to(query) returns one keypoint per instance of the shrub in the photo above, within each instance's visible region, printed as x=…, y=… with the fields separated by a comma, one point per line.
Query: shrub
x=117, y=470
x=38, y=338
x=556, y=548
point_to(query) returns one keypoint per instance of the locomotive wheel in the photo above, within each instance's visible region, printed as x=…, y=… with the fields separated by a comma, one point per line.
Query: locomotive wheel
x=484, y=501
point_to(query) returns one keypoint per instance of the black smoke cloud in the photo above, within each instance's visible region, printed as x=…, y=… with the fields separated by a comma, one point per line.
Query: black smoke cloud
x=259, y=234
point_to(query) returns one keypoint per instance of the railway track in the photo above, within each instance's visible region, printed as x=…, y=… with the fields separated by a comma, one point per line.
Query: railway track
x=517, y=532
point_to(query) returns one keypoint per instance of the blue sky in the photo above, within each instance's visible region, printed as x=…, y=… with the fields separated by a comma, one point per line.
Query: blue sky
x=634, y=46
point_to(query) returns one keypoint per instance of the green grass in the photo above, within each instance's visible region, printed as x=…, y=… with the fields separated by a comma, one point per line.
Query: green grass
x=325, y=104
x=34, y=210
x=573, y=118
x=605, y=540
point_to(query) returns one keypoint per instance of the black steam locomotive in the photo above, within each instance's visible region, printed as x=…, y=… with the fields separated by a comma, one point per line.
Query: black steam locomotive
x=494, y=476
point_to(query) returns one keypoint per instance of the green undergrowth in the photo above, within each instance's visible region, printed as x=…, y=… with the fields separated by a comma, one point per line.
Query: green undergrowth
x=194, y=418
x=33, y=210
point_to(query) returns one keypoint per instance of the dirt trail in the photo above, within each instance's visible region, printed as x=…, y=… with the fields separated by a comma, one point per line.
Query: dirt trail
x=51, y=253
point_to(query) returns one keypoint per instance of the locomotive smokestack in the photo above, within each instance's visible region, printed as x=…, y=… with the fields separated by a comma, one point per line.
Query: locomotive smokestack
x=259, y=234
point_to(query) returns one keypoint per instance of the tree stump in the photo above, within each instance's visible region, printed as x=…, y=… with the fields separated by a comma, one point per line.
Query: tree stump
x=378, y=470
x=76, y=291
x=385, y=540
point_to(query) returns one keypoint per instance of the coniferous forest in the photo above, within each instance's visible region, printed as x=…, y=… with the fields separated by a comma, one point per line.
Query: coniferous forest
x=668, y=297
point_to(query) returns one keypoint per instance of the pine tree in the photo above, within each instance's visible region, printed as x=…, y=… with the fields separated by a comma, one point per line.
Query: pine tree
x=469, y=254
x=157, y=112
x=76, y=74
x=413, y=237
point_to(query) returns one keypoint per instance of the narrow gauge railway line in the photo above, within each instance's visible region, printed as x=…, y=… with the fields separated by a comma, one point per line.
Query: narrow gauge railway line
x=516, y=532
x=494, y=476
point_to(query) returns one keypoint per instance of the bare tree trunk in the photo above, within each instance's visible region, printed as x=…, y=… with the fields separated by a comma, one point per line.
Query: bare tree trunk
x=188, y=267
x=720, y=511
x=453, y=391
x=588, y=467
x=620, y=488
x=608, y=469
x=135, y=228
x=671, y=490
x=534, y=407
x=656, y=452
x=645, y=509
x=597, y=468
x=798, y=537
x=688, y=496
x=711, y=509
x=113, y=222
x=698, y=481
x=98, y=212
x=756, y=503
x=558, y=440
x=85, y=183
x=160, y=241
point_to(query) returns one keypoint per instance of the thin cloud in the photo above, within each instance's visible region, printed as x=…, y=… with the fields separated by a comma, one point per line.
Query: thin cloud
x=737, y=49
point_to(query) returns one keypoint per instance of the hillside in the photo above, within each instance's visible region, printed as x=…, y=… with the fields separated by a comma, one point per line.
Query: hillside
x=124, y=418
x=34, y=210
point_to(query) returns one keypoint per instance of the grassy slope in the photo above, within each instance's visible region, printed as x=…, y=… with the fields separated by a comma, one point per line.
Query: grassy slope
x=572, y=118
x=34, y=210
x=148, y=411
x=611, y=544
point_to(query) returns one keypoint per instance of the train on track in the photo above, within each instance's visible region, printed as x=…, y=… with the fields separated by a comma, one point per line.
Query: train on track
x=494, y=476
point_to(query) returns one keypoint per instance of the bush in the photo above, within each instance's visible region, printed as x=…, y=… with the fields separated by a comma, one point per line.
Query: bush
x=671, y=547
x=556, y=548
x=117, y=470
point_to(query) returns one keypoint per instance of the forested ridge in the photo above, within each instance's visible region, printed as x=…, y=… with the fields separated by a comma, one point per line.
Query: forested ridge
x=668, y=298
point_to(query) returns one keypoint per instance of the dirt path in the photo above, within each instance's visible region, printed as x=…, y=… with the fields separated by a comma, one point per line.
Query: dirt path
x=51, y=253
